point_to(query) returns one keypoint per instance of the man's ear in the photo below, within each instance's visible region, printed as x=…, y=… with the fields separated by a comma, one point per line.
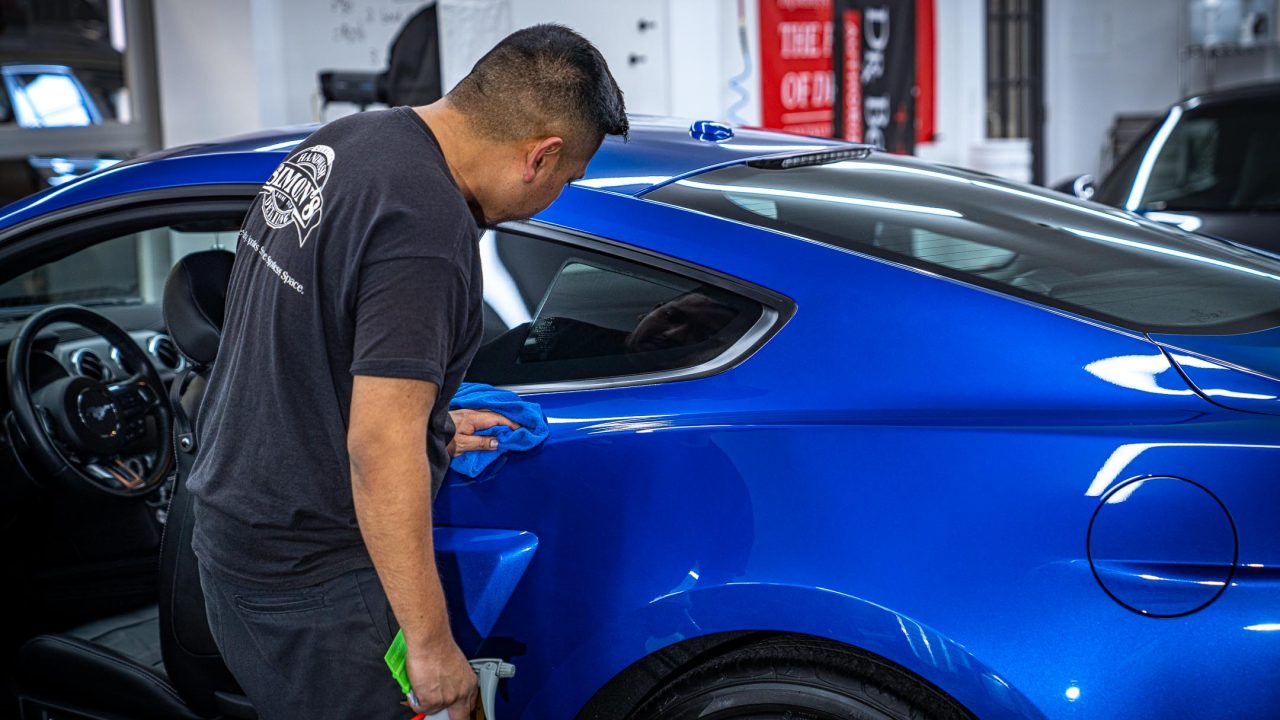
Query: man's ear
x=542, y=155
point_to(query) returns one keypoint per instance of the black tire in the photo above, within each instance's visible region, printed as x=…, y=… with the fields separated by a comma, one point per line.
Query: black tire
x=798, y=678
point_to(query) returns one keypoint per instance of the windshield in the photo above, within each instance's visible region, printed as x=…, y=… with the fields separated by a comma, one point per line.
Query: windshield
x=1219, y=157
x=1017, y=239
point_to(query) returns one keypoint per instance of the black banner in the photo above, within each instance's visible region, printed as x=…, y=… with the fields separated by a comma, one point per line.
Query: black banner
x=875, y=72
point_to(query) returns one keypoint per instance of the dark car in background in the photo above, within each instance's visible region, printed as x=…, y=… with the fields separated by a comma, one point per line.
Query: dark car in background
x=1211, y=165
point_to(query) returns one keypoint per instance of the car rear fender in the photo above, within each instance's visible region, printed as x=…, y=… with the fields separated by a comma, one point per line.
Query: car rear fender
x=747, y=606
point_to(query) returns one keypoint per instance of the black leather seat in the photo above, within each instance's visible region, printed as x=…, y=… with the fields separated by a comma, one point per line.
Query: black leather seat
x=159, y=662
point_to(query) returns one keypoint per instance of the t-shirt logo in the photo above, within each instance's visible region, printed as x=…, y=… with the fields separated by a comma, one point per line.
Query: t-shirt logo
x=294, y=193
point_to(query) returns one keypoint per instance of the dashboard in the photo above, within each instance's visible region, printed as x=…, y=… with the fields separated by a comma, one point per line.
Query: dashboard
x=97, y=360
x=69, y=350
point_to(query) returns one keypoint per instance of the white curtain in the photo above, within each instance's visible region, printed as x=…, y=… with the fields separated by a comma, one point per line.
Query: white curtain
x=468, y=29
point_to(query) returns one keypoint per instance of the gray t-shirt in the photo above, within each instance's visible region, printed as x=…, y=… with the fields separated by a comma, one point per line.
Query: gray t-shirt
x=358, y=257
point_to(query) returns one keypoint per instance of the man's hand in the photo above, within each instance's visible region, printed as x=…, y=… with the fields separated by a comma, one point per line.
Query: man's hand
x=467, y=423
x=441, y=678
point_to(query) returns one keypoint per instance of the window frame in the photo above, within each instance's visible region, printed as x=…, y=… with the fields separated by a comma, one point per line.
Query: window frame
x=776, y=310
x=63, y=232
x=48, y=238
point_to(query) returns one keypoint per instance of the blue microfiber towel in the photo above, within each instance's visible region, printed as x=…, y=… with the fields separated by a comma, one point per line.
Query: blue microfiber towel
x=532, y=431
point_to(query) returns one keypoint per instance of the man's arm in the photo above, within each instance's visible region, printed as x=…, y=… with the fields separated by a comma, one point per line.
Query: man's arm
x=391, y=487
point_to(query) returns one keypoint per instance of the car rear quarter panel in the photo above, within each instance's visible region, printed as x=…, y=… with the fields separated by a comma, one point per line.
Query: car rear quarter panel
x=909, y=466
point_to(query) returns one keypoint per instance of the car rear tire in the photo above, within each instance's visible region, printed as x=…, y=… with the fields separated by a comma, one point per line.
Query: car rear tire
x=798, y=678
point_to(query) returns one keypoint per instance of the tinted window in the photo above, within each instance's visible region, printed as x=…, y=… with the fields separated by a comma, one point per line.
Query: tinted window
x=1217, y=157
x=556, y=312
x=1114, y=188
x=1017, y=239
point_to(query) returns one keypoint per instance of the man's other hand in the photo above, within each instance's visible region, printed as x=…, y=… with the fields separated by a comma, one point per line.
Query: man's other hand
x=467, y=423
x=441, y=678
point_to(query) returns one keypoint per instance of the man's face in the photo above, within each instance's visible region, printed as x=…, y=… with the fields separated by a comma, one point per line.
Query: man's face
x=542, y=175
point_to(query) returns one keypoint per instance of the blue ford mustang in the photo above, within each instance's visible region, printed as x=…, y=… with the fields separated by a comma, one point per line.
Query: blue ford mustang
x=835, y=433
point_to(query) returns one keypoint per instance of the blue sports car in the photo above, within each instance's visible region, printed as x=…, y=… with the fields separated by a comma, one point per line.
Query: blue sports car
x=835, y=434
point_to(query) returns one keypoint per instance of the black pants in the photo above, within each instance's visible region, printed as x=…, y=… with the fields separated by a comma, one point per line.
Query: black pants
x=312, y=654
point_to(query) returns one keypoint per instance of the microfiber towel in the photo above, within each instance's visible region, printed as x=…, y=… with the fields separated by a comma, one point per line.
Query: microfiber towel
x=532, y=431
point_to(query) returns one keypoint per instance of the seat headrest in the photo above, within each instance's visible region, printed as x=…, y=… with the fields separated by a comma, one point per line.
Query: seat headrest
x=195, y=297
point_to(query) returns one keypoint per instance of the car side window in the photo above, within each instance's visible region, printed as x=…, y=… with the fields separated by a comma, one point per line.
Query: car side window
x=1187, y=166
x=556, y=312
x=125, y=269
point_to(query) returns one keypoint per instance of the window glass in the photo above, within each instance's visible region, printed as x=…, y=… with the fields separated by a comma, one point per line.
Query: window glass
x=50, y=99
x=556, y=312
x=130, y=269
x=1114, y=188
x=1016, y=239
x=1216, y=157
x=1187, y=164
x=53, y=45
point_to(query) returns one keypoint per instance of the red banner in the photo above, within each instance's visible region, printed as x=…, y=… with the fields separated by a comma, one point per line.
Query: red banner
x=926, y=73
x=853, y=75
x=797, y=83
x=797, y=88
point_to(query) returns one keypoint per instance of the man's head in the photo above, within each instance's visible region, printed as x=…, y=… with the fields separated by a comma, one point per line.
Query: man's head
x=544, y=99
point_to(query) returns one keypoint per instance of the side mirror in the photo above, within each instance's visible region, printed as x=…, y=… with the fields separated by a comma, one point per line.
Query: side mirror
x=1082, y=186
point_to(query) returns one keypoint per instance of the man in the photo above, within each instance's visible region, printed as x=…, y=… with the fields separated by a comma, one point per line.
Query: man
x=353, y=311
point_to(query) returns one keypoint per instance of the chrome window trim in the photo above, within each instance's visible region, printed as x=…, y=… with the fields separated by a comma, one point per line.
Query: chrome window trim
x=732, y=355
x=776, y=311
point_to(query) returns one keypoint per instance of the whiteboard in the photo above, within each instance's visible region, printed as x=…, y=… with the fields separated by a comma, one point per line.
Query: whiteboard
x=361, y=30
x=311, y=36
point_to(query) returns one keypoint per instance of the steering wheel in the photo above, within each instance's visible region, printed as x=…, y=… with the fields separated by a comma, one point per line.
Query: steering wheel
x=91, y=436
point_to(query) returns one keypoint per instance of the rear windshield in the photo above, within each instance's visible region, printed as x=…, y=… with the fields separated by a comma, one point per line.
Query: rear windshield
x=1212, y=158
x=1020, y=240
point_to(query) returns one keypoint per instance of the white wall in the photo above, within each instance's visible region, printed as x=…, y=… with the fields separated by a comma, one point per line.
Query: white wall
x=695, y=45
x=1104, y=57
x=960, y=97
x=239, y=65
x=207, y=68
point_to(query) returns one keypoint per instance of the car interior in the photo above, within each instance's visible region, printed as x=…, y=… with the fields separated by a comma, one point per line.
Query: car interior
x=112, y=617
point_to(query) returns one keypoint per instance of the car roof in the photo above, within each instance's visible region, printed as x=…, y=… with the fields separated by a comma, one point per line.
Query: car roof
x=1238, y=93
x=656, y=150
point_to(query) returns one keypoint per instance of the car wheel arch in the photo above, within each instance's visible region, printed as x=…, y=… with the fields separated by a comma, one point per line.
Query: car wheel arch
x=629, y=661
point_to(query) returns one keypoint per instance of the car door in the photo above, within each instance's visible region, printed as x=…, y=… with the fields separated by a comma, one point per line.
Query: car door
x=78, y=556
x=610, y=341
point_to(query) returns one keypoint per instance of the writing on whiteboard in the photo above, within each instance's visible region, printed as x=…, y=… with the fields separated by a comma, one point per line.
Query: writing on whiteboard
x=368, y=25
